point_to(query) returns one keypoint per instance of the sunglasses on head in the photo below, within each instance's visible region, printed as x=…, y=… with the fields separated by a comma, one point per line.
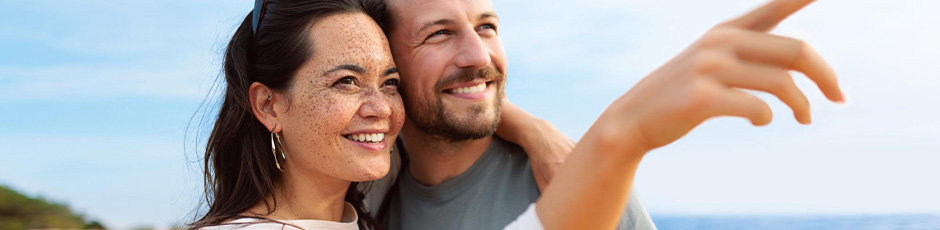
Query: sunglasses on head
x=257, y=14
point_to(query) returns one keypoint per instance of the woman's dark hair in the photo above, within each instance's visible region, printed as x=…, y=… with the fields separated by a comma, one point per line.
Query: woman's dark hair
x=239, y=169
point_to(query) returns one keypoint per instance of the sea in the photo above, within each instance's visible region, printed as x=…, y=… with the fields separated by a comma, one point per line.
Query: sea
x=860, y=222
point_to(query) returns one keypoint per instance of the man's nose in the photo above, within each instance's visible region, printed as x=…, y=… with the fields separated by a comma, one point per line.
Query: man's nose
x=472, y=52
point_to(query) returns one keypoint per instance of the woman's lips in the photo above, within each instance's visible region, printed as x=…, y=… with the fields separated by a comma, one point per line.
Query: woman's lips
x=369, y=141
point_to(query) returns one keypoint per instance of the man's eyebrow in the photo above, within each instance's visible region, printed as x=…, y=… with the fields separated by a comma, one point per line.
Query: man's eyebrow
x=490, y=14
x=436, y=22
x=390, y=71
x=351, y=67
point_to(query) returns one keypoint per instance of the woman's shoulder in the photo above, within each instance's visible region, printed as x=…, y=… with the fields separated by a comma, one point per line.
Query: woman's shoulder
x=251, y=223
x=349, y=221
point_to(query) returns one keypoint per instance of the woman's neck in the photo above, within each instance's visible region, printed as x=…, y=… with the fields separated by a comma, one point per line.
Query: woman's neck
x=304, y=195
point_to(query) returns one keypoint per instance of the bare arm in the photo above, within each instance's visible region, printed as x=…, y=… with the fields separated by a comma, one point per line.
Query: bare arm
x=591, y=190
x=547, y=147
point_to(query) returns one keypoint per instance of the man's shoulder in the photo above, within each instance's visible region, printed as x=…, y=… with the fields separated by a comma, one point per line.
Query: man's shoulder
x=508, y=162
x=508, y=157
x=503, y=146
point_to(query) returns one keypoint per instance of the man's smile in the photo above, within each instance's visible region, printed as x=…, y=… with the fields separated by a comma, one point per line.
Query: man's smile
x=470, y=90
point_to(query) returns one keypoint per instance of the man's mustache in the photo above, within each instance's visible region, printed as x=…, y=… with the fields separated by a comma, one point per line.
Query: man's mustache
x=488, y=73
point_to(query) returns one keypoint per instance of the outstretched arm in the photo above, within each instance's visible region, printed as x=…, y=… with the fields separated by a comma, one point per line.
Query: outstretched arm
x=590, y=191
x=547, y=147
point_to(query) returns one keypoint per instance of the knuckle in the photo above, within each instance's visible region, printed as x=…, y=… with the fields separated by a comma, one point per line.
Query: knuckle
x=777, y=85
x=710, y=62
x=699, y=96
x=801, y=49
x=718, y=37
x=785, y=87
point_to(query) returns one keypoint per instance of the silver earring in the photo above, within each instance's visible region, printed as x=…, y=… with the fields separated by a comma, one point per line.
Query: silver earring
x=270, y=95
x=274, y=151
x=283, y=152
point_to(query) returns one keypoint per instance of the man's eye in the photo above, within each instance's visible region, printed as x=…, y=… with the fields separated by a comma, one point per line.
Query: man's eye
x=436, y=33
x=346, y=81
x=487, y=26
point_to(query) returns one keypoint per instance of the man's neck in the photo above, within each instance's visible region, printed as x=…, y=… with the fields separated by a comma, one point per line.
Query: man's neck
x=435, y=160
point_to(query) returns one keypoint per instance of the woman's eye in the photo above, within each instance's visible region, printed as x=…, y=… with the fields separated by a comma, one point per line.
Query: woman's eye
x=346, y=81
x=391, y=82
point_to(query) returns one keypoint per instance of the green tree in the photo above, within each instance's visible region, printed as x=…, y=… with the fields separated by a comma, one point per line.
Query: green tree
x=18, y=211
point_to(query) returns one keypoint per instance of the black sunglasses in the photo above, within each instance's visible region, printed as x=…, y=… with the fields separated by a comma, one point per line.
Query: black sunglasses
x=257, y=14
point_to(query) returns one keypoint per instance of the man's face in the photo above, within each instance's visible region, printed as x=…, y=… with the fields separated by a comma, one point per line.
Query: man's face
x=452, y=65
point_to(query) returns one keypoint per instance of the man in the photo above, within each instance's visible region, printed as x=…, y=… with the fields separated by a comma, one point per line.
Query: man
x=458, y=175
x=453, y=66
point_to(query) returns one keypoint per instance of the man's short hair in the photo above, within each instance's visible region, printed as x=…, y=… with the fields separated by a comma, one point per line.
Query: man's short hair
x=378, y=10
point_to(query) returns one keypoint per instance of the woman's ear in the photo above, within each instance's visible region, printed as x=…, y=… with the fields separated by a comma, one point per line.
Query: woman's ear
x=262, y=105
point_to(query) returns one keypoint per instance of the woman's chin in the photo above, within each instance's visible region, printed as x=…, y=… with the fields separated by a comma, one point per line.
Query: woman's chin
x=373, y=169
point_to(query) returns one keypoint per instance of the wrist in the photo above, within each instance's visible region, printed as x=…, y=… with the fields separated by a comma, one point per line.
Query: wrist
x=622, y=140
x=533, y=135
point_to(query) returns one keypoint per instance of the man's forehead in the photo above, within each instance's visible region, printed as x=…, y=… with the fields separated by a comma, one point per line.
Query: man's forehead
x=416, y=13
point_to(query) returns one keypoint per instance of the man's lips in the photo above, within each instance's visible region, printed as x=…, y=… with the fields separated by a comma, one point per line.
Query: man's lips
x=479, y=91
x=468, y=87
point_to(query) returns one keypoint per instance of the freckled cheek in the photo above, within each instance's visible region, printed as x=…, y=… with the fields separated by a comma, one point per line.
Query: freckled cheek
x=398, y=113
x=324, y=119
x=341, y=111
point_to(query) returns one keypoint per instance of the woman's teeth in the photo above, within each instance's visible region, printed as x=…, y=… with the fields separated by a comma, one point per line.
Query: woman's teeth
x=366, y=137
x=470, y=89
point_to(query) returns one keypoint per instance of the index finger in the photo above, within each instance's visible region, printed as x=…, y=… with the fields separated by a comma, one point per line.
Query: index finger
x=767, y=17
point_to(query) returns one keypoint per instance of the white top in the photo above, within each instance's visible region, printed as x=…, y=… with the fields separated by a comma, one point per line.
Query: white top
x=347, y=222
x=527, y=221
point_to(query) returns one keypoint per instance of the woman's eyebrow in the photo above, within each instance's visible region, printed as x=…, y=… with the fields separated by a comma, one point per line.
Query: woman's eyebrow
x=351, y=67
x=390, y=71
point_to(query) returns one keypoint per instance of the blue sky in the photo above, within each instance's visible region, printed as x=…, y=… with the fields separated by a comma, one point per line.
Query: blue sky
x=97, y=95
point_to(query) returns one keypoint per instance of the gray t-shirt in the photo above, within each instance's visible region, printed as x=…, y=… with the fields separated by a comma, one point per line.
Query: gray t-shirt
x=489, y=195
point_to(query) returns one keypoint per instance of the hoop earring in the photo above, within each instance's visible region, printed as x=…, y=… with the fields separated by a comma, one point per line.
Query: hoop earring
x=274, y=151
x=270, y=95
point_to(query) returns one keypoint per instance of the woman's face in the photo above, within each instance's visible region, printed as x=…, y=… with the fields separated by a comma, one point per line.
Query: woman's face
x=344, y=109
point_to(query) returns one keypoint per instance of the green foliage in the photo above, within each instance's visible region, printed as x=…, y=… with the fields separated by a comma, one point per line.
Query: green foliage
x=18, y=211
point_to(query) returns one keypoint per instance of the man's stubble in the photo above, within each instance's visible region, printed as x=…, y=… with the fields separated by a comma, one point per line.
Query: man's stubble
x=434, y=119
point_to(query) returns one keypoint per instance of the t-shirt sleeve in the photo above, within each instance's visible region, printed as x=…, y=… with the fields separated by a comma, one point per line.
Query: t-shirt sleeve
x=635, y=217
x=529, y=220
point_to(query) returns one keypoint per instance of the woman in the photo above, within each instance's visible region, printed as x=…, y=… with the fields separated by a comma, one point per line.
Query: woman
x=311, y=107
x=305, y=82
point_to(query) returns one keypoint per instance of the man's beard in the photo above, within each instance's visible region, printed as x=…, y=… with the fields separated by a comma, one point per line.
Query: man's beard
x=432, y=118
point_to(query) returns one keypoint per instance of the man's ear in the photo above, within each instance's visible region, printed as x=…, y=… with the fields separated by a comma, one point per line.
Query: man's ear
x=262, y=106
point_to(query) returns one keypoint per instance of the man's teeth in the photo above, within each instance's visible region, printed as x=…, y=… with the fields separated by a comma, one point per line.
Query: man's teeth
x=366, y=137
x=471, y=89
